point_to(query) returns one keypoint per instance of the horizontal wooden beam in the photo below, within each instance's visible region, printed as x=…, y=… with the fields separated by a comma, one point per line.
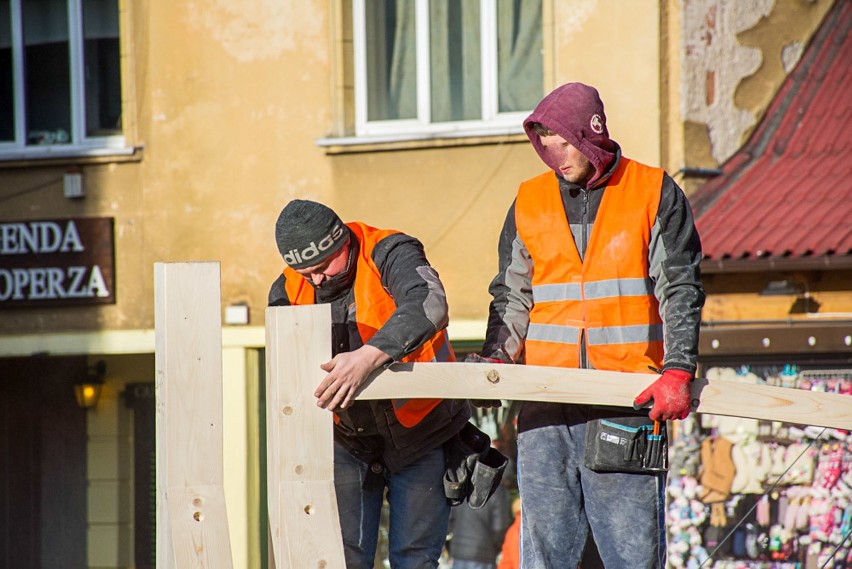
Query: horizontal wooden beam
x=611, y=388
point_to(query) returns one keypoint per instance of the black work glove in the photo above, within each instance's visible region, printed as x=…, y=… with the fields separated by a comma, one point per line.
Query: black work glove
x=473, y=467
x=478, y=359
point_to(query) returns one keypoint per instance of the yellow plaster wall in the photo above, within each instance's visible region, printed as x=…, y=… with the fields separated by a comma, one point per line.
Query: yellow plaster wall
x=455, y=203
x=615, y=46
x=230, y=98
x=238, y=93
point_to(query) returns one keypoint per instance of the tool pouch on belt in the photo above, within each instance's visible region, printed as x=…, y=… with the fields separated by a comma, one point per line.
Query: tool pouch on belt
x=473, y=467
x=626, y=444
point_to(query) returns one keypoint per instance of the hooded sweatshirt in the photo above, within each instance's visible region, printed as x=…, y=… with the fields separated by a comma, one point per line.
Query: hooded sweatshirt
x=575, y=112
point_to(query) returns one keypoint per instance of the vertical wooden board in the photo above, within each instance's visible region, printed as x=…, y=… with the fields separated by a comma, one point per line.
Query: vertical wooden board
x=300, y=437
x=302, y=341
x=309, y=512
x=165, y=549
x=188, y=365
x=197, y=516
x=274, y=448
x=189, y=338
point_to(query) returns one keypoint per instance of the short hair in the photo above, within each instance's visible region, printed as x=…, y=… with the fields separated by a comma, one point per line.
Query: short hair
x=541, y=130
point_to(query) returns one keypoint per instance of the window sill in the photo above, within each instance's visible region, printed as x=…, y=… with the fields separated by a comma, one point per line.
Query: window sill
x=75, y=156
x=390, y=142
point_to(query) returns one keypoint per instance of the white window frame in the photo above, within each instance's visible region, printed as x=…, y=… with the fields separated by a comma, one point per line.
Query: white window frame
x=492, y=121
x=80, y=144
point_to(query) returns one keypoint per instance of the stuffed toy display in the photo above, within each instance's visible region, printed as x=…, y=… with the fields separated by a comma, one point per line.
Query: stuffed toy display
x=744, y=493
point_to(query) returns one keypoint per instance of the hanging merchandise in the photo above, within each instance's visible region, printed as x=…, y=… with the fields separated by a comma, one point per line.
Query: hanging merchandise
x=745, y=493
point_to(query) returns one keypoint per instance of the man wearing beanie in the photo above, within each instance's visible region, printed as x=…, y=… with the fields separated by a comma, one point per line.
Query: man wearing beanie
x=387, y=305
x=598, y=269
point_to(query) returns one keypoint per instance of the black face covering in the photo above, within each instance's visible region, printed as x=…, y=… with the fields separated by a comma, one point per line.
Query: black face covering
x=334, y=287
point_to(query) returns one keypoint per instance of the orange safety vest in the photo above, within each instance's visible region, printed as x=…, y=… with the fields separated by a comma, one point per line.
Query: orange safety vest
x=373, y=307
x=608, y=296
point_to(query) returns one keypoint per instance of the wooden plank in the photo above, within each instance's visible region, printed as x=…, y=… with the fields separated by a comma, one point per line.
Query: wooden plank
x=309, y=510
x=592, y=387
x=190, y=509
x=300, y=453
x=192, y=524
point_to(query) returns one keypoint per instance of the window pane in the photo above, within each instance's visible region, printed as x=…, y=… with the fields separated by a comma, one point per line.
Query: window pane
x=102, y=73
x=520, y=72
x=391, y=60
x=455, y=60
x=7, y=104
x=46, y=71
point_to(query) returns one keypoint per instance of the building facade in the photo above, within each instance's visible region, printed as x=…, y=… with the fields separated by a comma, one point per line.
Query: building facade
x=133, y=133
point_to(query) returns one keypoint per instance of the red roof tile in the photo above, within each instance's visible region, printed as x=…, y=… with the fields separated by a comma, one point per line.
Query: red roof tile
x=788, y=192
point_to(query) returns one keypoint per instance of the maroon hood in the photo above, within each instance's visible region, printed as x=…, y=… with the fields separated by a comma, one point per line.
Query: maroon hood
x=575, y=112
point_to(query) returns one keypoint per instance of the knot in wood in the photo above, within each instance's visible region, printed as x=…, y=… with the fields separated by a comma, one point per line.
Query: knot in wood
x=493, y=376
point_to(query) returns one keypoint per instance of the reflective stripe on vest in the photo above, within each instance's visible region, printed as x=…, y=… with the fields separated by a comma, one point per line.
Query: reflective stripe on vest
x=608, y=296
x=373, y=307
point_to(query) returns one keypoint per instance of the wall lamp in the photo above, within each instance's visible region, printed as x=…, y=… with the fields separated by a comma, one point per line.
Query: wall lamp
x=88, y=389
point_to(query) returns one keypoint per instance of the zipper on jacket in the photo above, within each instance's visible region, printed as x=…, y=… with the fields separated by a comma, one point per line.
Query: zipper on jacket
x=584, y=219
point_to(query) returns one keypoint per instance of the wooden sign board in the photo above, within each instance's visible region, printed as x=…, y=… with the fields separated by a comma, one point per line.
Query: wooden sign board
x=57, y=262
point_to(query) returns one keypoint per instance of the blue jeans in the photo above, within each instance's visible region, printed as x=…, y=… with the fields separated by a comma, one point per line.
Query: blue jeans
x=419, y=511
x=562, y=500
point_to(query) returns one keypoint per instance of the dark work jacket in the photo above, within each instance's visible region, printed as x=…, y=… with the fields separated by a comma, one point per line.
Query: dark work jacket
x=369, y=430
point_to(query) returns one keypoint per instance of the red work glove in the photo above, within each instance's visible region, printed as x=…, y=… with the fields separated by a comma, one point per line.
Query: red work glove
x=478, y=359
x=671, y=396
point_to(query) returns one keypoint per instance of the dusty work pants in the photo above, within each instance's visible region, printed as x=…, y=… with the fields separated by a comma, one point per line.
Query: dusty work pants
x=561, y=500
x=419, y=511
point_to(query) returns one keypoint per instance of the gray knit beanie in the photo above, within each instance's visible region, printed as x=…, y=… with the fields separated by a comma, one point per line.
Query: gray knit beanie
x=308, y=232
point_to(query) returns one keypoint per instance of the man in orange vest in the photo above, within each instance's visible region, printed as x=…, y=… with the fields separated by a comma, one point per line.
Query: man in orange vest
x=387, y=305
x=598, y=268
